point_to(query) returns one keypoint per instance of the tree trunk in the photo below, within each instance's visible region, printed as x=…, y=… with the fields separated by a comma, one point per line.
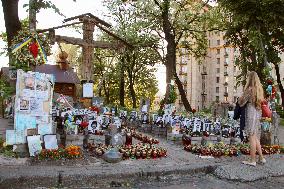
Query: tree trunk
x=132, y=92
x=171, y=58
x=186, y=104
x=122, y=84
x=278, y=77
x=106, y=92
x=12, y=22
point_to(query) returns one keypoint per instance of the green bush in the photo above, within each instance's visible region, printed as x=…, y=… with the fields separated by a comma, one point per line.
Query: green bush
x=280, y=111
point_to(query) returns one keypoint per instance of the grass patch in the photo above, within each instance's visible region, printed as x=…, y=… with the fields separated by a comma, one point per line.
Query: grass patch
x=7, y=150
x=281, y=122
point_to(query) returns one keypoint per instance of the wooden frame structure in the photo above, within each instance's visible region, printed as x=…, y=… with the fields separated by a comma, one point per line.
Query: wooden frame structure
x=87, y=43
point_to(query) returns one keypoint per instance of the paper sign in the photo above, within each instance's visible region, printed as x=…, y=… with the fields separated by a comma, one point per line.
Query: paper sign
x=34, y=145
x=50, y=142
x=44, y=129
x=15, y=137
x=116, y=121
x=88, y=90
x=37, y=106
x=144, y=108
x=24, y=121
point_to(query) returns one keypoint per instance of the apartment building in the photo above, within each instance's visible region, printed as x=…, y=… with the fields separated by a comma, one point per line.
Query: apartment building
x=212, y=80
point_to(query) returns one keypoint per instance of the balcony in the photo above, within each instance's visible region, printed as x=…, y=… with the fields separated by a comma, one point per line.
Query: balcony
x=226, y=94
x=203, y=93
x=184, y=83
x=226, y=54
x=226, y=64
x=204, y=72
x=225, y=73
x=226, y=84
x=183, y=63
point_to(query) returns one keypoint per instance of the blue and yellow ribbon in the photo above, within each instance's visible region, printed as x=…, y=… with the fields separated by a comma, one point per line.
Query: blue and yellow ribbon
x=25, y=42
x=20, y=45
x=41, y=50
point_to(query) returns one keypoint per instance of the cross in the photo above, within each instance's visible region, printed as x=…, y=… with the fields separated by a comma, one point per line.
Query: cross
x=87, y=42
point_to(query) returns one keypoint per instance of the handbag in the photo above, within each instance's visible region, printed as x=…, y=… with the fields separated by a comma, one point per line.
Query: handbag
x=266, y=112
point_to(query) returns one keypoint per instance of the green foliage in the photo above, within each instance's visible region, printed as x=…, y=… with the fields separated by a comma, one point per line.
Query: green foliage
x=256, y=27
x=136, y=62
x=173, y=95
x=280, y=111
x=7, y=150
x=23, y=59
x=42, y=4
x=5, y=89
x=176, y=24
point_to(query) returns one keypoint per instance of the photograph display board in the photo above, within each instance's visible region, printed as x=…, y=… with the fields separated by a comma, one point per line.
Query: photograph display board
x=33, y=105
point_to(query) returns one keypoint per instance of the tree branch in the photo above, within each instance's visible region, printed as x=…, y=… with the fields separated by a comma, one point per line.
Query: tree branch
x=179, y=37
x=159, y=5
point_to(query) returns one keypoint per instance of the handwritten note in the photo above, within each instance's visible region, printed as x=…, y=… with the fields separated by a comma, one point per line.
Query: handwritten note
x=34, y=145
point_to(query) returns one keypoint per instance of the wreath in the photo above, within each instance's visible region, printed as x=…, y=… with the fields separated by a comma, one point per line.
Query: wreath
x=30, y=49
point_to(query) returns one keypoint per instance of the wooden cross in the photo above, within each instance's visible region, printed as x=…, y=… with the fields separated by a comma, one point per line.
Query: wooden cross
x=87, y=43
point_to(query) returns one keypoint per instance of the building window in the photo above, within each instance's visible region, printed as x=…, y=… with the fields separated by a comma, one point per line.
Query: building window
x=226, y=69
x=235, y=89
x=218, y=51
x=218, y=42
x=218, y=70
x=217, y=98
x=235, y=99
x=227, y=60
x=227, y=51
x=226, y=99
x=183, y=69
x=217, y=79
x=235, y=68
x=226, y=79
x=218, y=60
x=226, y=89
x=217, y=89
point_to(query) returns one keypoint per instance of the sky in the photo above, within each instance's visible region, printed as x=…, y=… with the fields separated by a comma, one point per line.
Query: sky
x=48, y=18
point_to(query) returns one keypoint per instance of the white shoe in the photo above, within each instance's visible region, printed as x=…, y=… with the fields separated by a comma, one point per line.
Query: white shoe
x=263, y=161
x=249, y=163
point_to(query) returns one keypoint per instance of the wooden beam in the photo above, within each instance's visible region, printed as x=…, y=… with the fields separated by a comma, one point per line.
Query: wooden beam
x=81, y=42
x=57, y=27
x=91, y=16
x=115, y=36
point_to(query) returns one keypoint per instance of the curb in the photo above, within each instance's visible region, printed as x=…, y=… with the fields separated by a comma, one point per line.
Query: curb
x=93, y=176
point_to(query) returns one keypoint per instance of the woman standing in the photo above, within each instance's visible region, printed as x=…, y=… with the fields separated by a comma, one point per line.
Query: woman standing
x=252, y=97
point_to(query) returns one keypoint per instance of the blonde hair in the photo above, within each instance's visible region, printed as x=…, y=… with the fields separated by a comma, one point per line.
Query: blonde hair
x=253, y=83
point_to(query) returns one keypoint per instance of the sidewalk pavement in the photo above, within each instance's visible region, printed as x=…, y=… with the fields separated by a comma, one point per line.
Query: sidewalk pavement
x=24, y=174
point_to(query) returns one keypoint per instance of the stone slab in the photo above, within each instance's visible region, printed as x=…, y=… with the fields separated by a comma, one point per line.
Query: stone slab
x=245, y=173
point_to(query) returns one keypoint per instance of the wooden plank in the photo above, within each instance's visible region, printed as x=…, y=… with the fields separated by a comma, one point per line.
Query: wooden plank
x=81, y=42
x=57, y=27
x=91, y=17
x=115, y=36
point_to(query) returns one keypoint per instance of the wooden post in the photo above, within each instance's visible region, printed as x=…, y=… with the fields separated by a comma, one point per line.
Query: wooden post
x=88, y=50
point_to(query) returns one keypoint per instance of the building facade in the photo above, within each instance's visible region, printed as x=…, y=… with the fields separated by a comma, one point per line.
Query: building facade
x=211, y=80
